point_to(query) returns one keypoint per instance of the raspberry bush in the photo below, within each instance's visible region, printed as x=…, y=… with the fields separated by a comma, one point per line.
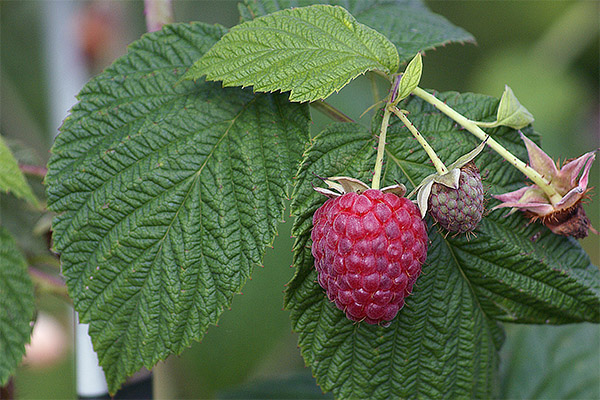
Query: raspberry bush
x=170, y=175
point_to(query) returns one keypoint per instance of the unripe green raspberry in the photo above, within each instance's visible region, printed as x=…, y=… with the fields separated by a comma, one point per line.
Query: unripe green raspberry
x=459, y=210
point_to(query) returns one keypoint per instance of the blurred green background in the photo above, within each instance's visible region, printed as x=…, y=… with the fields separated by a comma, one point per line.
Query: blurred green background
x=547, y=51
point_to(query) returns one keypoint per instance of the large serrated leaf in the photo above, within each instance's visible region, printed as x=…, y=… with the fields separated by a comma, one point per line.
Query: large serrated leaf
x=444, y=342
x=11, y=177
x=16, y=306
x=409, y=24
x=168, y=194
x=310, y=51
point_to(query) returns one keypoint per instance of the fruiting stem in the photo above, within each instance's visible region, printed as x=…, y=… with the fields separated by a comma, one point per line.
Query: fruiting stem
x=331, y=111
x=437, y=163
x=472, y=127
x=381, y=146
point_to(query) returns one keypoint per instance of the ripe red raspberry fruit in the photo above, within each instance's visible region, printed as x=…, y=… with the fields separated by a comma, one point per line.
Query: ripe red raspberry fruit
x=459, y=210
x=368, y=251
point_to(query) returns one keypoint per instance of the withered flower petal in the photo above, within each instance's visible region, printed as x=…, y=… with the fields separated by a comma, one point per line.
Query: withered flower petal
x=565, y=217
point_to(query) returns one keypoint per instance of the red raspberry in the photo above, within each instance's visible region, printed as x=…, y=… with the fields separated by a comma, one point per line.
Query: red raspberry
x=368, y=251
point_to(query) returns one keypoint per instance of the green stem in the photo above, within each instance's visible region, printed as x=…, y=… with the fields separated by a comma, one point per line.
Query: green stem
x=331, y=111
x=381, y=147
x=438, y=164
x=469, y=125
x=482, y=124
x=33, y=170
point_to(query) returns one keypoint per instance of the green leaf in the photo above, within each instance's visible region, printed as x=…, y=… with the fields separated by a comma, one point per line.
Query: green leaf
x=168, y=194
x=11, y=177
x=17, y=306
x=408, y=24
x=311, y=51
x=511, y=113
x=445, y=341
x=410, y=78
x=551, y=362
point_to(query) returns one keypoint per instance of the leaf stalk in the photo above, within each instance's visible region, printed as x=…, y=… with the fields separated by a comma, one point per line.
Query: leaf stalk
x=381, y=146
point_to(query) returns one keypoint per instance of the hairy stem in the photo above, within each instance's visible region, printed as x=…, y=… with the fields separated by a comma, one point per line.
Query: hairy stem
x=470, y=126
x=381, y=147
x=33, y=170
x=45, y=259
x=158, y=13
x=47, y=283
x=331, y=111
x=437, y=163
x=482, y=124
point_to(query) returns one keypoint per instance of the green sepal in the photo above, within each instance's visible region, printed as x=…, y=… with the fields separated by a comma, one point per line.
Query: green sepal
x=410, y=79
x=510, y=113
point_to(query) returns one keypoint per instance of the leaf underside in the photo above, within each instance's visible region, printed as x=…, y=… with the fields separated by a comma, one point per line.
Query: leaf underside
x=16, y=306
x=311, y=52
x=168, y=193
x=408, y=24
x=445, y=341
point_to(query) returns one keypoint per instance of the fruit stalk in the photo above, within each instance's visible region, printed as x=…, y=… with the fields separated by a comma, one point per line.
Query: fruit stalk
x=439, y=165
x=381, y=146
x=472, y=127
